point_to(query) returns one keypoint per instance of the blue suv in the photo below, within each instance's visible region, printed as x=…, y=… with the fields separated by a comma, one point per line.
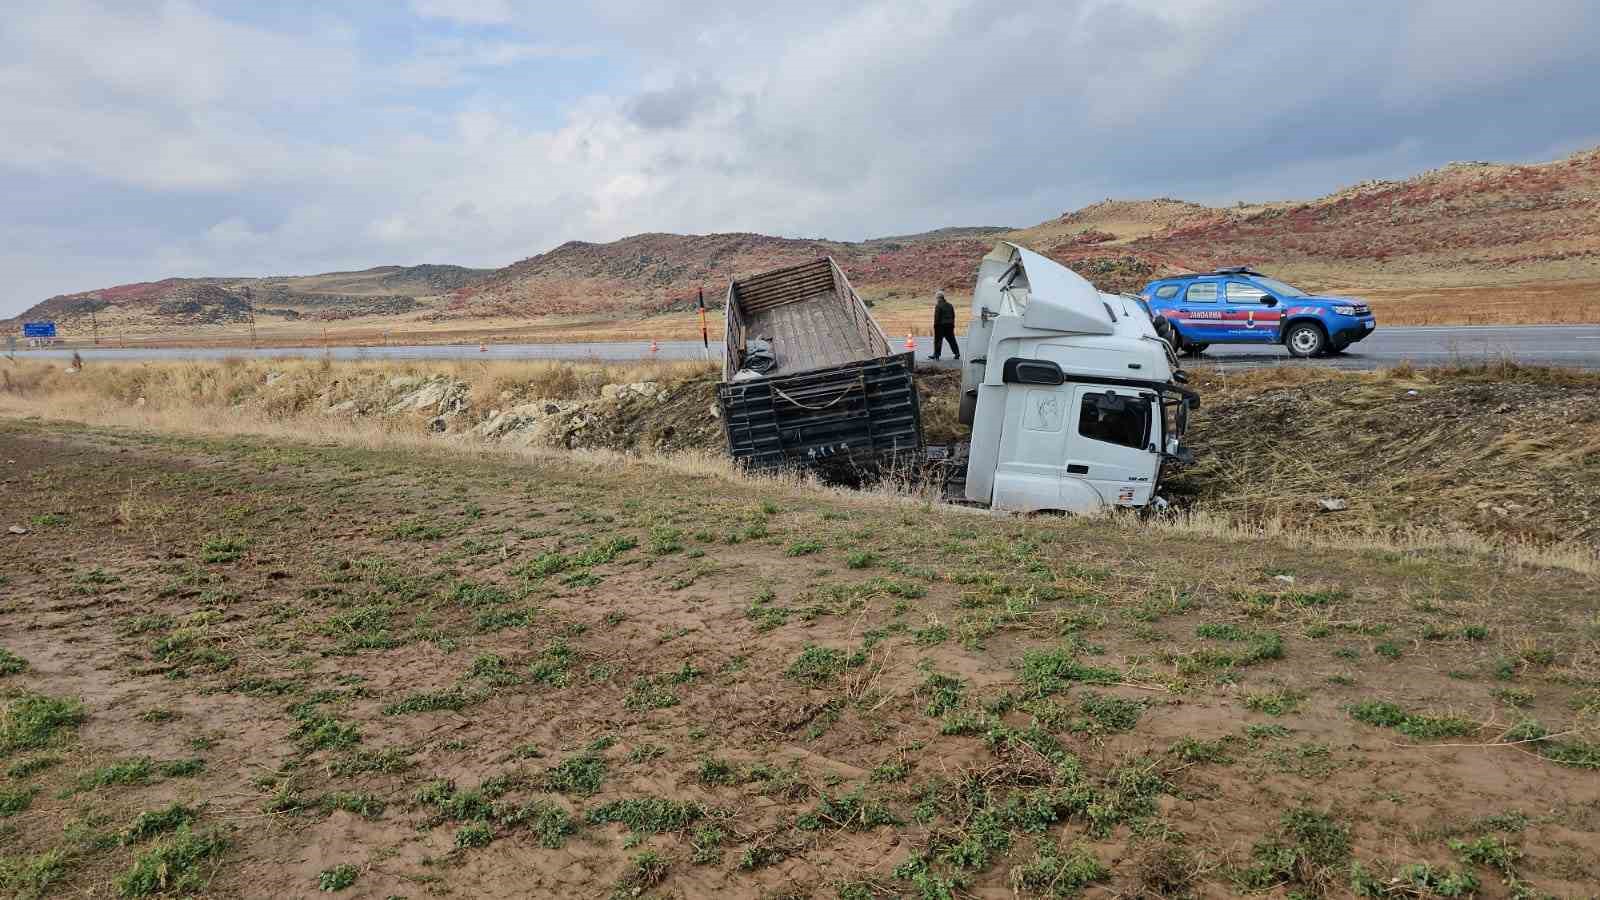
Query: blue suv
x=1240, y=306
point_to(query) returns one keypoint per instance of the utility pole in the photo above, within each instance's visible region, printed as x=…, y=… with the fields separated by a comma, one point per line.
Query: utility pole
x=94, y=324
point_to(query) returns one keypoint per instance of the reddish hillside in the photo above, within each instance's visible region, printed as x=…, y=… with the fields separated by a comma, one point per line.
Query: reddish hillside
x=1495, y=220
x=649, y=273
x=1464, y=228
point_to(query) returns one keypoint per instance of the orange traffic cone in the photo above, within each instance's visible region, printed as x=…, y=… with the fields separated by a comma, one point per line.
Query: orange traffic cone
x=654, y=347
x=911, y=342
x=483, y=348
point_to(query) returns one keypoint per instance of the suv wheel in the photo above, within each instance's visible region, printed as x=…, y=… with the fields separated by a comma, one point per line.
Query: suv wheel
x=1192, y=349
x=1305, y=340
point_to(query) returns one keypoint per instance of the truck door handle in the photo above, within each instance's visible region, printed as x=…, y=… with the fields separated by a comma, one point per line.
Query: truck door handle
x=1077, y=469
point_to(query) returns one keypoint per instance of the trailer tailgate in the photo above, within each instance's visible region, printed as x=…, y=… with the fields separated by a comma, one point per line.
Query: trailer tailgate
x=854, y=416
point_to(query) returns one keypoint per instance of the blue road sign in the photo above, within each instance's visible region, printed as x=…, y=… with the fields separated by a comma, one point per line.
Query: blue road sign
x=39, y=329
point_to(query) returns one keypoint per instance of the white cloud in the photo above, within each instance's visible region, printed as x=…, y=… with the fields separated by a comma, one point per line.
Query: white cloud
x=472, y=12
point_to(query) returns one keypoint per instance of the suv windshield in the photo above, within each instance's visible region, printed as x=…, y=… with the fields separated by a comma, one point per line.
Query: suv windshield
x=1278, y=287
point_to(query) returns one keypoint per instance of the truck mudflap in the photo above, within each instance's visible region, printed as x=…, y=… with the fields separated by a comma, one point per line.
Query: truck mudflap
x=844, y=422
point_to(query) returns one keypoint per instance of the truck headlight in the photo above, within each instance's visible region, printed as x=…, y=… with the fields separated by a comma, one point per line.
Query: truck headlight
x=1345, y=310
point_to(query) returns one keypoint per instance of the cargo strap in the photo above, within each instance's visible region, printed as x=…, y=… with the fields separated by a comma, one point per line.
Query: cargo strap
x=842, y=394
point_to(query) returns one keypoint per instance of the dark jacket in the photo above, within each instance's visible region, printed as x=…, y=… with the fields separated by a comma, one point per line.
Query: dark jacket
x=944, y=314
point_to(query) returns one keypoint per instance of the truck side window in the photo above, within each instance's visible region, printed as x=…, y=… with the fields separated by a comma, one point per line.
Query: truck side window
x=1202, y=292
x=1115, y=419
x=1166, y=292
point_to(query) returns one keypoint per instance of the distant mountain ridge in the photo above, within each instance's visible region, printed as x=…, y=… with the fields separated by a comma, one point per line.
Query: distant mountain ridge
x=1480, y=221
x=331, y=296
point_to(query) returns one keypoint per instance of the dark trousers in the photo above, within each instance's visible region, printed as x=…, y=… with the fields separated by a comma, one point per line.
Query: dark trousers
x=942, y=333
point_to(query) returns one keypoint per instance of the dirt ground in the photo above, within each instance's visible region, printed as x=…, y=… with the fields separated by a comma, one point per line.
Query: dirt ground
x=250, y=668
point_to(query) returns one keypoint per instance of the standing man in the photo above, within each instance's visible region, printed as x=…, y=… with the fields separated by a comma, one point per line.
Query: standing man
x=944, y=327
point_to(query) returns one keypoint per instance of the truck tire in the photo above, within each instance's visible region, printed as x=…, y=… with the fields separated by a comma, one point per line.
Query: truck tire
x=1166, y=332
x=1305, y=340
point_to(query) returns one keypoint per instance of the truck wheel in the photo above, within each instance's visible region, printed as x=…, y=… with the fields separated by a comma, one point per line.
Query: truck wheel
x=1305, y=340
x=1165, y=331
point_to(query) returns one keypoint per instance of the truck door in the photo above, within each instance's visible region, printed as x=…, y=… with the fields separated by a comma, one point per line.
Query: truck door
x=1112, y=445
x=1249, y=319
x=1028, y=473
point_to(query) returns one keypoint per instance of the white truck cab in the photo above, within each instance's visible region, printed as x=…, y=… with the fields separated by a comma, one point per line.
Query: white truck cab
x=1073, y=400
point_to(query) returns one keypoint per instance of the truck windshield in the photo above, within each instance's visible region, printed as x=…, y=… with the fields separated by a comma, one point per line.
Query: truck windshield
x=1279, y=288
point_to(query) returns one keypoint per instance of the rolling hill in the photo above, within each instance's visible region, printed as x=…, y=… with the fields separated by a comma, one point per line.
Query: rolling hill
x=1443, y=244
x=329, y=297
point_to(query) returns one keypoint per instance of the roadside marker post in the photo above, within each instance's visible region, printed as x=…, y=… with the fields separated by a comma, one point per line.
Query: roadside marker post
x=705, y=331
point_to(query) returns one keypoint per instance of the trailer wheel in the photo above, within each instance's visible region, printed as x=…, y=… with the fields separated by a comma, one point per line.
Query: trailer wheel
x=1305, y=340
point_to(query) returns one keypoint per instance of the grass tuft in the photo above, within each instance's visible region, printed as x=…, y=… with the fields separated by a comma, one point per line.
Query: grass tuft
x=180, y=864
x=336, y=879
x=155, y=822
x=36, y=721
x=1426, y=728
x=648, y=815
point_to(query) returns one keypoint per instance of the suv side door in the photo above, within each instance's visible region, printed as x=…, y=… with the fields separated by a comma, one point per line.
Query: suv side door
x=1199, y=314
x=1250, y=318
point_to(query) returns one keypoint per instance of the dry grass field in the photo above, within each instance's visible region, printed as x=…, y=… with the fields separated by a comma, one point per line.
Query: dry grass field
x=242, y=656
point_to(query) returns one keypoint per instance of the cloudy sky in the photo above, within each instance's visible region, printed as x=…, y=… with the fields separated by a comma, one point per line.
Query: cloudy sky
x=146, y=138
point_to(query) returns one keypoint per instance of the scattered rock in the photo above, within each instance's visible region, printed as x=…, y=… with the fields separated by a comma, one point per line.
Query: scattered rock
x=1333, y=504
x=17, y=529
x=1286, y=579
x=431, y=394
x=648, y=390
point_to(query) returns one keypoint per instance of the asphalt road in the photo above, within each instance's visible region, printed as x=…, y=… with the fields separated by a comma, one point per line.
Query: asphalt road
x=1560, y=345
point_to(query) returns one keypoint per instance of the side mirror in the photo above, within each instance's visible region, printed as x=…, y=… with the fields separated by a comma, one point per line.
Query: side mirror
x=1269, y=300
x=1031, y=371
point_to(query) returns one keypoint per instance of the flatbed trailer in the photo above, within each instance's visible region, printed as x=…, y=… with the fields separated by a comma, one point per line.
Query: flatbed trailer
x=836, y=399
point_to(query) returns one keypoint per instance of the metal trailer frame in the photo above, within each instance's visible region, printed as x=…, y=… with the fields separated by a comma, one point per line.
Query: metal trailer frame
x=846, y=420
